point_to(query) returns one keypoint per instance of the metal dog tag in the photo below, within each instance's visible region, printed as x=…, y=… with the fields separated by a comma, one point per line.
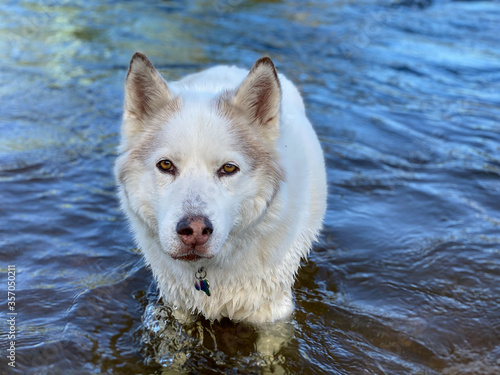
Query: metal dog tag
x=201, y=283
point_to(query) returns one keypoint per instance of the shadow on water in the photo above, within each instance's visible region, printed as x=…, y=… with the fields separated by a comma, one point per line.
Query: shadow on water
x=405, y=98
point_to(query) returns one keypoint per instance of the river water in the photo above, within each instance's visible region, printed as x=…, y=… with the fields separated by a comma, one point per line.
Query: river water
x=405, y=97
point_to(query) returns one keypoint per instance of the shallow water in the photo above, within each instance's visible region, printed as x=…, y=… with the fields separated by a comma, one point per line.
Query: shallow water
x=405, y=96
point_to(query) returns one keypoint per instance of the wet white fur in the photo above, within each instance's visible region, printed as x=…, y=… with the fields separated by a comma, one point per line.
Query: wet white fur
x=257, y=248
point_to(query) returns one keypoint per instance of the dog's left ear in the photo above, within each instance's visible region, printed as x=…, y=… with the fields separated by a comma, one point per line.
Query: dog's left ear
x=145, y=94
x=259, y=96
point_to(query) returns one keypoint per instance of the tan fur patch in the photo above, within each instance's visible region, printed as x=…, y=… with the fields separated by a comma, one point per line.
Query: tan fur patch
x=134, y=130
x=262, y=152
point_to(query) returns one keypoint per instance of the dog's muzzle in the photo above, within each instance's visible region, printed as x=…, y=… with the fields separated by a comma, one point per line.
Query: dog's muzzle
x=194, y=232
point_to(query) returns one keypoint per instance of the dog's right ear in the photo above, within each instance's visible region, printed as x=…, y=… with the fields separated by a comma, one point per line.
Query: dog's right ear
x=145, y=94
x=259, y=97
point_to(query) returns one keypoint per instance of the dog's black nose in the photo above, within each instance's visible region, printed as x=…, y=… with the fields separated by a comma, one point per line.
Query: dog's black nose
x=194, y=230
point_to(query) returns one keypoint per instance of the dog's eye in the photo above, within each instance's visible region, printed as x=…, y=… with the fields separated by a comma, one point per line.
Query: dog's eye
x=228, y=169
x=165, y=166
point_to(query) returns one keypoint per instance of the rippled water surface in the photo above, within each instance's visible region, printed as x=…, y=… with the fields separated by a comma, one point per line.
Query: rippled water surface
x=405, y=96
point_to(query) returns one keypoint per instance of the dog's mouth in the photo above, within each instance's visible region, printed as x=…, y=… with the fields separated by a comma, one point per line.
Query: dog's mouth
x=192, y=256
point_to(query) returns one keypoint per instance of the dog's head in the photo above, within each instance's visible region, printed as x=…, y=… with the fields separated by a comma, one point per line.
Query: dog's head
x=197, y=168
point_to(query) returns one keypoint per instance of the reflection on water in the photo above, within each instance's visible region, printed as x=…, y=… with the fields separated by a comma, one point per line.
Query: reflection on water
x=405, y=98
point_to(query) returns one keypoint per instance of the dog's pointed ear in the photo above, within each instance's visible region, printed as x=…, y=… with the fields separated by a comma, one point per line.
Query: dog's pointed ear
x=145, y=91
x=259, y=95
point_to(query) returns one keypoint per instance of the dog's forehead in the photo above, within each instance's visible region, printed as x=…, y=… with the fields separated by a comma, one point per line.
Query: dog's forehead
x=199, y=122
x=198, y=126
x=201, y=128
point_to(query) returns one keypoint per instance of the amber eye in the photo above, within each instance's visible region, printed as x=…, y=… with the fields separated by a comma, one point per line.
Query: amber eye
x=165, y=165
x=229, y=168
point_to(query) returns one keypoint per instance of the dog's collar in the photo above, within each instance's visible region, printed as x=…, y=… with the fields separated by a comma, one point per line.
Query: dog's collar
x=201, y=283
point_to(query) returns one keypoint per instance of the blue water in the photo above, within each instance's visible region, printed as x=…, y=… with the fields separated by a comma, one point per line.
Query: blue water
x=405, y=97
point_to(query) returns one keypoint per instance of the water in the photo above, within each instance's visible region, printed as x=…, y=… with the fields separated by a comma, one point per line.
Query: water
x=405, y=96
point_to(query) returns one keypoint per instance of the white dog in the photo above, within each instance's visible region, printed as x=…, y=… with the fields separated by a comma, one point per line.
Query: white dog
x=223, y=180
